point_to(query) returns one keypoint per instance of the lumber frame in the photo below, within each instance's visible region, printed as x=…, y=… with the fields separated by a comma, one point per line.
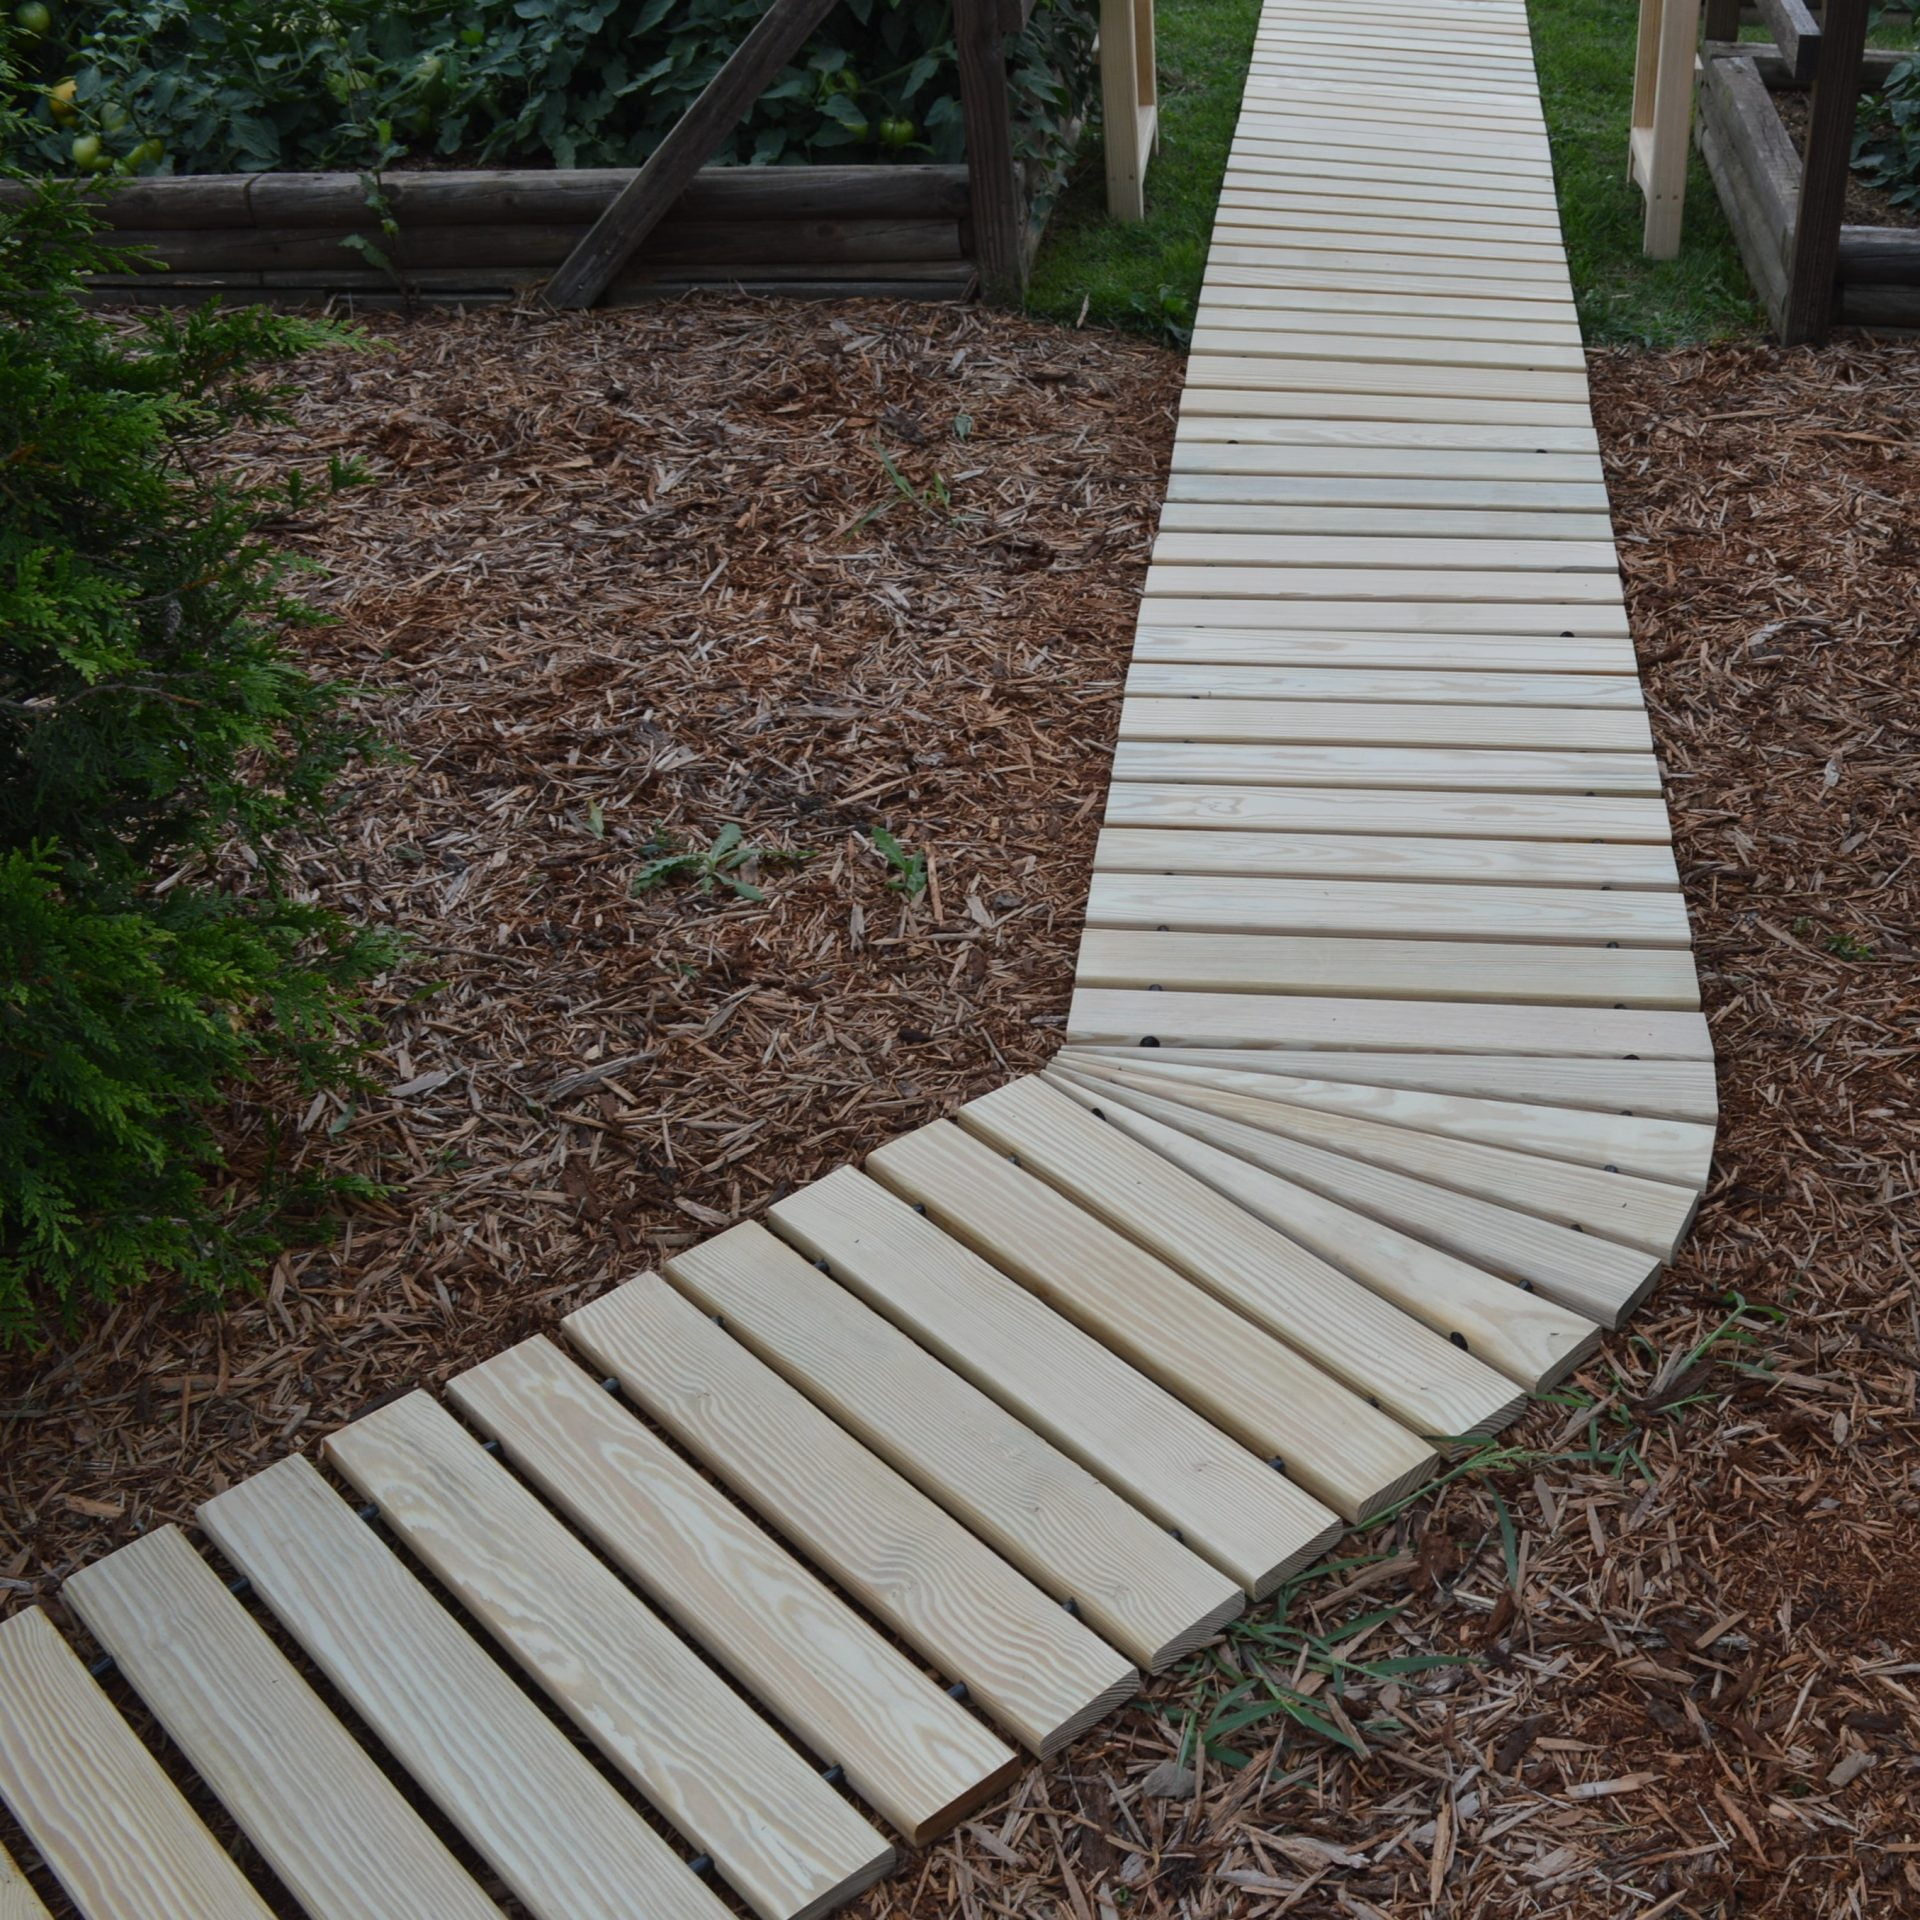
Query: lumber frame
x=1814, y=261
x=669, y=169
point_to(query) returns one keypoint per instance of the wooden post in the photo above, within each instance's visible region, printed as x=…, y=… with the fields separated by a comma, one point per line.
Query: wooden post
x=1129, y=102
x=1723, y=20
x=779, y=33
x=1657, y=142
x=995, y=186
x=1815, y=256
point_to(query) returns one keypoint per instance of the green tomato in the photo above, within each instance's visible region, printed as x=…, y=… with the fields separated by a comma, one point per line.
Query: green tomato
x=473, y=36
x=149, y=153
x=88, y=154
x=34, y=19
x=114, y=117
x=344, y=84
x=897, y=133
x=858, y=128
x=845, y=81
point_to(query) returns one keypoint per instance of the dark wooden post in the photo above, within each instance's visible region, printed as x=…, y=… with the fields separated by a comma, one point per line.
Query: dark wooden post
x=1815, y=260
x=999, y=202
x=1722, y=20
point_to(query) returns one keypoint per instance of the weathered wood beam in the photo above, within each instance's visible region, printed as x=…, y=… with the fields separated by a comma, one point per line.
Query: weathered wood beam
x=993, y=175
x=1796, y=33
x=779, y=34
x=1814, y=264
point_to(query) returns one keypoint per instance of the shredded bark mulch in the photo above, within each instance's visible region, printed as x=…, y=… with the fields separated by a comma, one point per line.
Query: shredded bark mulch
x=1658, y=1654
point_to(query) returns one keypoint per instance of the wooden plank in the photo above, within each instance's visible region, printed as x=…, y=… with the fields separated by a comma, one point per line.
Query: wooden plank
x=1333, y=518
x=1533, y=1340
x=1253, y=1385
x=1251, y=194
x=1324, y=271
x=1668, y=1150
x=1381, y=724
x=1597, y=1279
x=1542, y=820
x=1669, y=1089
x=1289, y=640
x=1113, y=1016
x=330, y=1824
x=1265, y=551
x=669, y=170
x=1388, y=969
x=795, y=1646
x=1393, y=1362
x=1216, y=680
x=1027, y=1662
x=108, y=1823
x=1432, y=237
x=1383, y=769
x=1603, y=1202
x=1127, y=1578
x=1796, y=33
x=1240, y=406
x=1533, y=450
x=1220, y=1499
x=506, y=1776
x=18, y=1901
x=1192, y=491
x=785, y=1842
x=999, y=212
x=1365, y=580
x=1363, y=173
x=1372, y=856
x=1406, y=910
x=1215, y=342
x=1814, y=256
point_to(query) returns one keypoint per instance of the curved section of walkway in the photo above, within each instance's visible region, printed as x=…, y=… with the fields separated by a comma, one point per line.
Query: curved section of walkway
x=1385, y=1092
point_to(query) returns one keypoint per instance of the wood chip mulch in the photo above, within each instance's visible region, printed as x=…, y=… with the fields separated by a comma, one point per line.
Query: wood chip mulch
x=1660, y=1653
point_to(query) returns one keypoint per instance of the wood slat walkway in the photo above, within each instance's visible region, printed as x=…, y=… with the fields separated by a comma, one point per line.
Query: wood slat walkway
x=1385, y=1091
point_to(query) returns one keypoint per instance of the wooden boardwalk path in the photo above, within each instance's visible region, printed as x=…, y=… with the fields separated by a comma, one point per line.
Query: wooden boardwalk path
x=1385, y=1091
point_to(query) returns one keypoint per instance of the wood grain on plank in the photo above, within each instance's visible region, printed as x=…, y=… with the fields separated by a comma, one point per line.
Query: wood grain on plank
x=1127, y=1578
x=1222, y=1500
x=783, y=1840
x=1539, y=620
x=110, y=1826
x=1411, y=909
x=1599, y=1279
x=1244, y=1380
x=1669, y=1089
x=1195, y=491
x=1668, y=1150
x=1430, y=450
x=1370, y=723
x=525, y=1797
x=18, y=1901
x=1378, y=856
x=1102, y=1015
x=1225, y=643
x=330, y=1824
x=906, y=1749
x=1365, y=579
x=1395, y=687
x=1025, y=1661
x=1406, y=769
x=1329, y=520
x=1374, y=965
x=1540, y=820
x=1386, y=1357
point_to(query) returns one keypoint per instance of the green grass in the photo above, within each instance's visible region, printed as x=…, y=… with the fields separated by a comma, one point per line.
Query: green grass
x=1147, y=276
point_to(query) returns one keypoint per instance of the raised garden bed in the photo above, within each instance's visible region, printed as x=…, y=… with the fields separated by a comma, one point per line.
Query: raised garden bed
x=1758, y=171
x=473, y=238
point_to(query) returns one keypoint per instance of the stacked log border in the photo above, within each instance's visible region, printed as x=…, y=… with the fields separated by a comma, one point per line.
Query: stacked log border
x=473, y=238
x=1756, y=171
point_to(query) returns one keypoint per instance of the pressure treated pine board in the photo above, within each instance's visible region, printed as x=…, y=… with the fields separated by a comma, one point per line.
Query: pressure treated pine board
x=1287, y=644
x=1026, y=1661
x=1628, y=1208
x=18, y=1901
x=1207, y=848
x=1131, y=1018
x=329, y=1823
x=1222, y=1500
x=1251, y=1384
x=1374, y=523
x=1127, y=1577
x=1256, y=195
x=1382, y=1354
x=1282, y=503
x=1671, y=1150
x=110, y=1825
x=1443, y=769
x=1671, y=1089
x=1264, y=552
x=783, y=1839
x=505, y=1775
x=1375, y=723
x=906, y=1749
x=1282, y=620
x=1390, y=969
x=1415, y=910
x=1364, y=579
x=1598, y=1279
x=1532, y=1340
x=1222, y=680
x=1393, y=449
x=1547, y=819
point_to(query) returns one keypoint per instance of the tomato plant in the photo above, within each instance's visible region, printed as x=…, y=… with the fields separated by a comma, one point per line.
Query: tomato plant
x=178, y=85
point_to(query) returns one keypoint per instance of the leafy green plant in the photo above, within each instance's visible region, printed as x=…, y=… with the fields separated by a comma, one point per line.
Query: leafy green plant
x=1886, y=146
x=178, y=85
x=717, y=864
x=909, y=874
x=156, y=737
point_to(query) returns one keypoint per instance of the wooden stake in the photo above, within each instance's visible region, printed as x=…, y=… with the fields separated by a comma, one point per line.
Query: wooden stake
x=1815, y=256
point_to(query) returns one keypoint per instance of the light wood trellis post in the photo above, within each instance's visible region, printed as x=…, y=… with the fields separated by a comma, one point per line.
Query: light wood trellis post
x=1129, y=103
x=1662, y=122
